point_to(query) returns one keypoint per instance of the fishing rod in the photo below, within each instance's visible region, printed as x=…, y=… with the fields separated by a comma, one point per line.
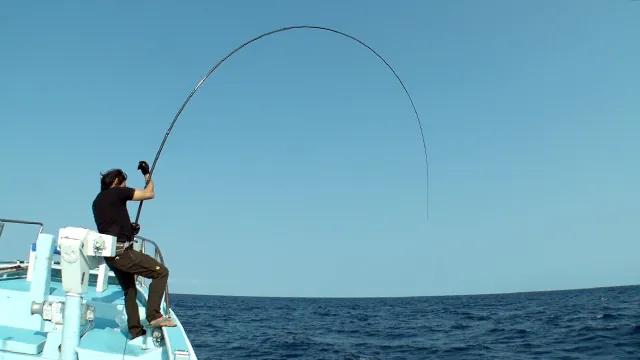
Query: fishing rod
x=164, y=140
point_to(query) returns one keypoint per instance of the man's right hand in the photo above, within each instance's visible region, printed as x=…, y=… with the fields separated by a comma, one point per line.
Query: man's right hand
x=148, y=192
x=144, y=168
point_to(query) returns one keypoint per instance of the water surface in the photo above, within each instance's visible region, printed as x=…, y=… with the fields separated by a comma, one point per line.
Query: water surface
x=582, y=324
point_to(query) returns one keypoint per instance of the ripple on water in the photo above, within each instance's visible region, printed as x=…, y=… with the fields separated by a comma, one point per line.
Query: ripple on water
x=585, y=324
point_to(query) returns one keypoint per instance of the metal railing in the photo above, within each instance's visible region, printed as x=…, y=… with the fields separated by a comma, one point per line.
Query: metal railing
x=157, y=252
x=158, y=256
x=23, y=222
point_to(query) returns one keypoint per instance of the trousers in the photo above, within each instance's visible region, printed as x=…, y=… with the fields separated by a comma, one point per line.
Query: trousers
x=125, y=265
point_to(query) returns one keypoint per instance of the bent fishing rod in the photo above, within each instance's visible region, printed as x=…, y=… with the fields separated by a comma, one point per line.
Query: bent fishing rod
x=166, y=136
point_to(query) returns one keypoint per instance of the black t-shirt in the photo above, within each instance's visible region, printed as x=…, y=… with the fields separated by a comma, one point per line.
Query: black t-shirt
x=111, y=214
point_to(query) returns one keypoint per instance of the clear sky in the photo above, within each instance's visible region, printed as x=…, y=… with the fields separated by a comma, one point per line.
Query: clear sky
x=297, y=169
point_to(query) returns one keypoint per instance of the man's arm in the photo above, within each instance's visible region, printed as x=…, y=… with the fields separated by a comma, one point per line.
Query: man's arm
x=147, y=193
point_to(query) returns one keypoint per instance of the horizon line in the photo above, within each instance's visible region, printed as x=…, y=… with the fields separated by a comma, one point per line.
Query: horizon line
x=412, y=296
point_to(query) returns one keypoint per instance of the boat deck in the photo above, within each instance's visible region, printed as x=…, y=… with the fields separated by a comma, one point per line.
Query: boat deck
x=24, y=335
x=112, y=295
x=106, y=338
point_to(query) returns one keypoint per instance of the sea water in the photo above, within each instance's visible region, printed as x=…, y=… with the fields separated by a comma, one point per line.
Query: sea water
x=582, y=324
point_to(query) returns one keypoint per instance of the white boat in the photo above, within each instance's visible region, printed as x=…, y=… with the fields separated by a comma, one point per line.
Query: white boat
x=64, y=303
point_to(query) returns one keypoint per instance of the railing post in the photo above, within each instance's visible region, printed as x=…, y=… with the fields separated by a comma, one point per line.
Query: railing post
x=1, y=228
x=142, y=248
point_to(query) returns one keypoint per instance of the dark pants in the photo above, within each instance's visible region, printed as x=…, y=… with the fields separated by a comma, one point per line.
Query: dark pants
x=125, y=266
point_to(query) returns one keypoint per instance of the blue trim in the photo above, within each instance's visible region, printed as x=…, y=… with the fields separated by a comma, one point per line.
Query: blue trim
x=55, y=250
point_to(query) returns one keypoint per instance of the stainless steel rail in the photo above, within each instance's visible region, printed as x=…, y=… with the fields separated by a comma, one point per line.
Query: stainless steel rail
x=23, y=222
x=158, y=256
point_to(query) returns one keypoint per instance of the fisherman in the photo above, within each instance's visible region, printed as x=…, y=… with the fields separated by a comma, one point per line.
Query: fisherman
x=112, y=218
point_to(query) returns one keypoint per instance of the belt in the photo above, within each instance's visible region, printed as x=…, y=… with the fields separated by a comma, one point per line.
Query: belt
x=122, y=246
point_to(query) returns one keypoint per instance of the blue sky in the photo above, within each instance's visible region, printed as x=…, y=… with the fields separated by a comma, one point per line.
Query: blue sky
x=297, y=169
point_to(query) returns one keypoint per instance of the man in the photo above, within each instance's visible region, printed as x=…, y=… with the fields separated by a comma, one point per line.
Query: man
x=112, y=218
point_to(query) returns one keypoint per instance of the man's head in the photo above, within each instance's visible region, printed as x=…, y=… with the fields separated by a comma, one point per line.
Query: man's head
x=113, y=178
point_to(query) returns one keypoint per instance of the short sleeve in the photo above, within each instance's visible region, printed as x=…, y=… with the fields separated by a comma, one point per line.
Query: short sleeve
x=126, y=193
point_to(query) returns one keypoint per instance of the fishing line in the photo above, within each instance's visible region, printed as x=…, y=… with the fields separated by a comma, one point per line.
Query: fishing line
x=424, y=144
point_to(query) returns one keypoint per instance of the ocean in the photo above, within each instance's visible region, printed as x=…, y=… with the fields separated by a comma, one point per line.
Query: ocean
x=577, y=324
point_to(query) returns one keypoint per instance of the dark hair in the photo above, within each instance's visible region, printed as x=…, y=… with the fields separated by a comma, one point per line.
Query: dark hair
x=110, y=177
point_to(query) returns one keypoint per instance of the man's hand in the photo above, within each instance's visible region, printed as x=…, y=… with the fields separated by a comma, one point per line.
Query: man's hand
x=148, y=192
x=143, y=167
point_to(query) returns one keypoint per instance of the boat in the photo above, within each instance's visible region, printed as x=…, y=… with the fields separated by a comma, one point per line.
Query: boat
x=64, y=303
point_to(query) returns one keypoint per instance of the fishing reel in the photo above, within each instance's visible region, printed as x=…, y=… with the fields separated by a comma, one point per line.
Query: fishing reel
x=135, y=227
